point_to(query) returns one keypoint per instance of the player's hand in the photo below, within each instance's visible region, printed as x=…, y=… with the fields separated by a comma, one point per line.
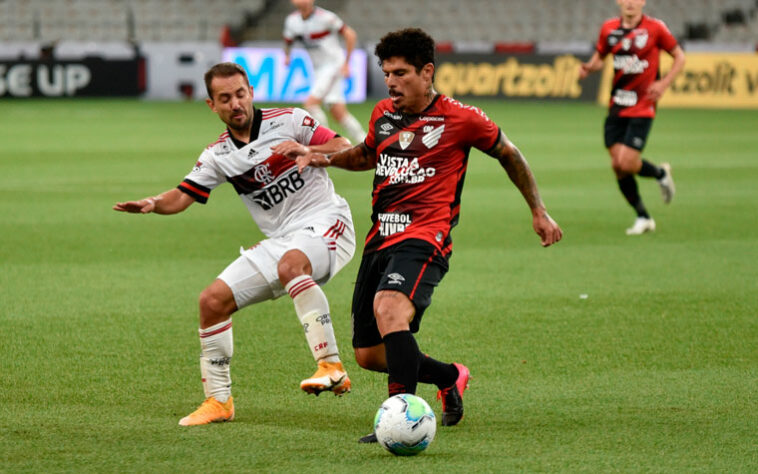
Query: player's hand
x=317, y=160
x=548, y=230
x=345, y=69
x=584, y=70
x=290, y=149
x=143, y=206
x=656, y=90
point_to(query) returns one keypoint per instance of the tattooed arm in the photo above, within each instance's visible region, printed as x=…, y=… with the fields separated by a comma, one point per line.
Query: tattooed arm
x=518, y=170
x=358, y=158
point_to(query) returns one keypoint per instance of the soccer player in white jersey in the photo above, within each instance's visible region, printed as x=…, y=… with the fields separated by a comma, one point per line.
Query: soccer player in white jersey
x=309, y=229
x=319, y=30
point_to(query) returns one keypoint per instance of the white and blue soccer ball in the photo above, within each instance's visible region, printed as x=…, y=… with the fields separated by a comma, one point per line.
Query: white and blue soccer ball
x=405, y=424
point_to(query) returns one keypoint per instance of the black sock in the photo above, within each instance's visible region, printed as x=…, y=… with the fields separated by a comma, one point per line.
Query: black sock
x=628, y=186
x=433, y=371
x=649, y=170
x=402, y=362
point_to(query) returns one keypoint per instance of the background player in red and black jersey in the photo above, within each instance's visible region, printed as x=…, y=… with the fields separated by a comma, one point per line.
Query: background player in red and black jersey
x=635, y=41
x=418, y=144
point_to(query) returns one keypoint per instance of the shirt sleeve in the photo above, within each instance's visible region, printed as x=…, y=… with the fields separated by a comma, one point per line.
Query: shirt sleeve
x=203, y=178
x=308, y=131
x=336, y=23
x=601, y=46
x=287, y=33
x=370, y=140
x=666, y=39
x=482, y=132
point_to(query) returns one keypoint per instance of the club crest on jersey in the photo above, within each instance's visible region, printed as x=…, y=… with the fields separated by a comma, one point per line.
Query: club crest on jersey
x=263, y=174
x=641, y=39
x=405, y=139
x=432, y=136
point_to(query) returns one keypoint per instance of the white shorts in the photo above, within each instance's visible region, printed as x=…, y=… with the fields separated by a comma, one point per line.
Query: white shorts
x=253, y=277
x=328, y=85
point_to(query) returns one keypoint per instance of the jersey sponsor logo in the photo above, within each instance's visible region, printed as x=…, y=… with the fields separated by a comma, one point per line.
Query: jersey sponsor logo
x=405, y=139
x=386, y=129
x=392, y=116
x=625, y=98
x=273, y=126
x=198, y=166
x=431, y=118
x=276, y=192
x=432, y=136
x=395, y=279
x=393, y=222
x=629, y=64
x=222, y=148
x=263, y=174
x=402, y=170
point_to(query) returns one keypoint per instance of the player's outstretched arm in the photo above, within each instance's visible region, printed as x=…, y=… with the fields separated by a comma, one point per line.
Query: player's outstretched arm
x=292, y=149
x=518, y=170
x=170, y=202
x=357, y=158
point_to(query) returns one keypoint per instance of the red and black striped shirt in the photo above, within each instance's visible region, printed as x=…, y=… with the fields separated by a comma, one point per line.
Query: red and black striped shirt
x=421, y=164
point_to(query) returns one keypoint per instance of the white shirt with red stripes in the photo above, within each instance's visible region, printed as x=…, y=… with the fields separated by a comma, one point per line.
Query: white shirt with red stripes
x=279, y=199
x=319, y=34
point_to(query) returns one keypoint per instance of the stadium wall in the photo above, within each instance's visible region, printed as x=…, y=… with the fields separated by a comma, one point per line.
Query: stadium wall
x=721, y=76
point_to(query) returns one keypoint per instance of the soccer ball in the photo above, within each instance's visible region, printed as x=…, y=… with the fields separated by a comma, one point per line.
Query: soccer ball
x=405, y=424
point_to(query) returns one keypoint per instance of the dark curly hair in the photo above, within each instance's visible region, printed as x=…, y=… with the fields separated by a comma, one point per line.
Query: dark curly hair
x=411, y=44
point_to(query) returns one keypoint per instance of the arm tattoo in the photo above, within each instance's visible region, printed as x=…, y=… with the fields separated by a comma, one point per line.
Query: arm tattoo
x=358, y=158
x=518, y=170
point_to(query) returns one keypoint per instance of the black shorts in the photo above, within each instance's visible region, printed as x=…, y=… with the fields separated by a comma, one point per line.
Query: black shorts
x=631, y=131
x=413, y=267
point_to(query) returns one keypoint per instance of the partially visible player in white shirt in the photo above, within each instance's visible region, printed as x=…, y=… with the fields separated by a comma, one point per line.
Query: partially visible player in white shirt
x=309, y=229
x=319, y=30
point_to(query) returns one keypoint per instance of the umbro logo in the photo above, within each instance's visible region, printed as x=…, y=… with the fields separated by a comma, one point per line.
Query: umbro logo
x=396, y=279
x=386, y=128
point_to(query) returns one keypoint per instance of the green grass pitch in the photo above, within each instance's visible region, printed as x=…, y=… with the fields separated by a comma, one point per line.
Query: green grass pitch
x=656, y=370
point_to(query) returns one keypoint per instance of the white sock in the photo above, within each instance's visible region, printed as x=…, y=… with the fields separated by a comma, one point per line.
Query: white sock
x=312, y=309
x=218, y=347
x=353, y=128
x=319, y=114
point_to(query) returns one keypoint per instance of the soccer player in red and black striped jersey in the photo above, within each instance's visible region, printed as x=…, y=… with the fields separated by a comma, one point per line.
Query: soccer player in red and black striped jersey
x=635, y=41
x=418, y=144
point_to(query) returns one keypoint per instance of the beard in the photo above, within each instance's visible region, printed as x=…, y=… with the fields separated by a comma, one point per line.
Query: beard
x=243, y=126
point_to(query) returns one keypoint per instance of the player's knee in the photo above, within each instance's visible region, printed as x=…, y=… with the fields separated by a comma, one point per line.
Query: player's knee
x=290, y=268
x=618, y=167
x=213, y=304
x=393, y=311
